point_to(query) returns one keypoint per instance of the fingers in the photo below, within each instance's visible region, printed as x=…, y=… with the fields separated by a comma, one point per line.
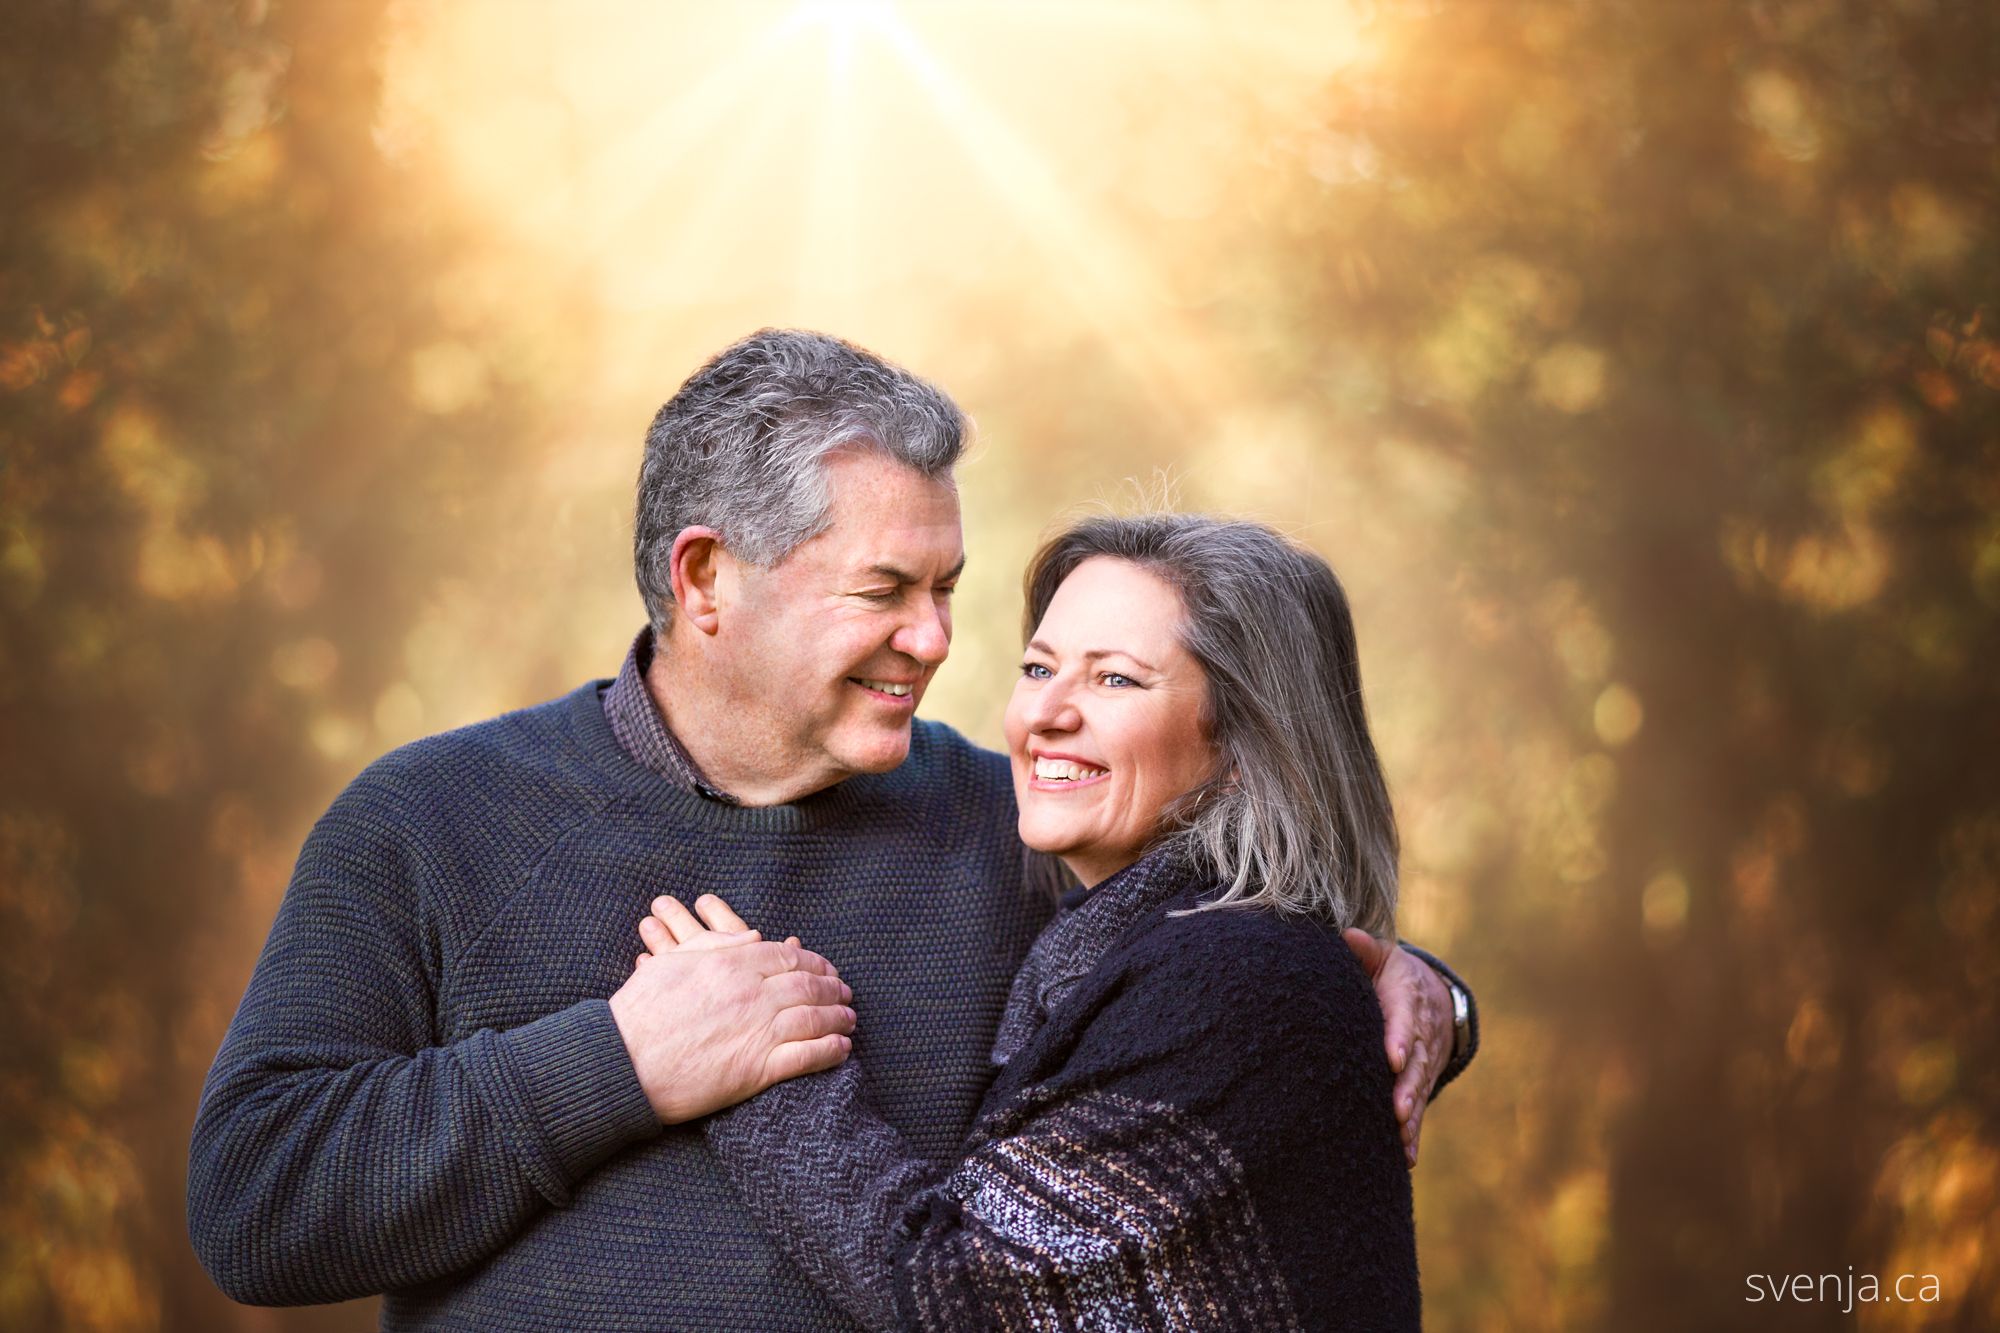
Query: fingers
x=674, y=915
x=1412, y=1087
x=660, y=941
x=1406, y=1005
x=655, y=936
x=682, y=930
x=1399, y=1026
x=805, y=1057
x=812, y=962
x=1418, y=1012
x=807, y=1022
x=1412, y=1096
x=788, y=957
x=718, y=939
x=1434, y=1020
x=803, y=959
x=1372, y=953
x=718, y=913
x=790, y=988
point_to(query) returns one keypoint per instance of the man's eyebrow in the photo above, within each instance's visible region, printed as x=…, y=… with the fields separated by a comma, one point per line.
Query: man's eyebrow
x=901, y=575
x=1095, y=653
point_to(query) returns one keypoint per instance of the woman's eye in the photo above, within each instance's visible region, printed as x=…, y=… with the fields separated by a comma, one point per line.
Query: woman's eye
x=1034, y=671
x=1116, y=681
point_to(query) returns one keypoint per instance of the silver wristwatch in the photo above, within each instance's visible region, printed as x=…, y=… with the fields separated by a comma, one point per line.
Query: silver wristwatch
x=1461, y=1021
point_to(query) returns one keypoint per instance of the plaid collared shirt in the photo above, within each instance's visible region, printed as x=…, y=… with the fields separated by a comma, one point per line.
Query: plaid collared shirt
x=643, y=734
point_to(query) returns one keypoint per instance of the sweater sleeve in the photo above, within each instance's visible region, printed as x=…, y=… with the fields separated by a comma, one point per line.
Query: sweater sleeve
x=340, y=1151
x=829, y=1180
x=1158, y=1177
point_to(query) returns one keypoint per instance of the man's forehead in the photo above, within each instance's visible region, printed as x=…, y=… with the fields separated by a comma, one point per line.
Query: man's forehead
x=884, y=513
x=904, y=570
x=926, y=555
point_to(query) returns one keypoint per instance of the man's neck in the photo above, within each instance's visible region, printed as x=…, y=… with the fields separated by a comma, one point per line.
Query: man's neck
x=721, y=734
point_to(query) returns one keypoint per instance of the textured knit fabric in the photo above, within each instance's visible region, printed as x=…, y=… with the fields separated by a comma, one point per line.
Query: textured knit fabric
x=1192, y=1130
x=643, y=734
x=1059, y=959
x=423, y=1092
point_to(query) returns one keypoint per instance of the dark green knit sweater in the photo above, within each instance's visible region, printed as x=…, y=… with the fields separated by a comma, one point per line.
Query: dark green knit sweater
x=423, y=1091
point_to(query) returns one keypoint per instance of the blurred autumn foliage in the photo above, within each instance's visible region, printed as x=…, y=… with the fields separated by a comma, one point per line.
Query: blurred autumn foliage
x=1638, y=363
x=1695, y=303
x=216, y=470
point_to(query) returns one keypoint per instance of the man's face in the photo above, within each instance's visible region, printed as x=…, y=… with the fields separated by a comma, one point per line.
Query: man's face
x=830, y=649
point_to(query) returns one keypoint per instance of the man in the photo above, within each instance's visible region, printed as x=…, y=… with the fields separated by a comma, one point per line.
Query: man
x=425, y=1092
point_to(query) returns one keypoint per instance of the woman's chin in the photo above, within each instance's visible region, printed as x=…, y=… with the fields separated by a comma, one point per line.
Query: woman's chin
x=1039, y=836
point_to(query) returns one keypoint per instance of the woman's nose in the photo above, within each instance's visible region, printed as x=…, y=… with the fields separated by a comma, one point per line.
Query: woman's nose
x=1053, y=708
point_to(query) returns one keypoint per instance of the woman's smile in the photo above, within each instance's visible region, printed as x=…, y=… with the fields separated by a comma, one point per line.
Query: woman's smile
x=1064, y=772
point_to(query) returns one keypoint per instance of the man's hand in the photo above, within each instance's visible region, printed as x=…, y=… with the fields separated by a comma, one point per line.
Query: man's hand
x=1418, y=1033
x=707, y=1027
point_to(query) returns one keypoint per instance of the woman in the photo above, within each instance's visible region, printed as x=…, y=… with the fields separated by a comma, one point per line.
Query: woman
x=1191, y=1125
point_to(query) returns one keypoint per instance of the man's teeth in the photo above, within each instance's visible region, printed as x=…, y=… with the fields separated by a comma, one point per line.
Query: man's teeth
x=887, y=687
x=1066, y=770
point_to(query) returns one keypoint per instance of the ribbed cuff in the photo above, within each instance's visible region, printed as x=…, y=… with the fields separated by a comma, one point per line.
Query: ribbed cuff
x=566, y=1094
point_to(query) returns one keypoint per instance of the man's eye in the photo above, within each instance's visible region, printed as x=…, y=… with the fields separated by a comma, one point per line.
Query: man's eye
x=878, y=595
x=1035, y=671
x=946, y=590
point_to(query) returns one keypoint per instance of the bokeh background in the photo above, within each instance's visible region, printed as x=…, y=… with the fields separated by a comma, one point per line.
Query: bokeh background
x=1636, y=362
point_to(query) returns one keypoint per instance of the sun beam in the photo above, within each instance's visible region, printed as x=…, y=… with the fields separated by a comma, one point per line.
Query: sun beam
x=1103, y=274
x=873, y=167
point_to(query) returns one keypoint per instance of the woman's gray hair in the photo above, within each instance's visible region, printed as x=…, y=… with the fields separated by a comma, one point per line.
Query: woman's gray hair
x=1295, y=816
x=741, y=447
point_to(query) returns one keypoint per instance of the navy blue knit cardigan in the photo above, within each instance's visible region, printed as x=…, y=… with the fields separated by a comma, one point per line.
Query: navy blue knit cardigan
x=1192, y=1130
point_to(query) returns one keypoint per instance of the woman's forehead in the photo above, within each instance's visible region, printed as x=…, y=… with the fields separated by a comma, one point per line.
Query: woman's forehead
x=1114, y=605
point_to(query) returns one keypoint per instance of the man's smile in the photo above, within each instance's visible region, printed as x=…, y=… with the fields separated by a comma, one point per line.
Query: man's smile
x=896, y=693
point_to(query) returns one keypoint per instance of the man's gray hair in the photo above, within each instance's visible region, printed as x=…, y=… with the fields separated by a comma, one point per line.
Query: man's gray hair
x=741, y=447
x=1295, y=815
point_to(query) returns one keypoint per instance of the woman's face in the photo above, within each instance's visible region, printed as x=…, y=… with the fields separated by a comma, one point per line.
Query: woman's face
x=1105, y=726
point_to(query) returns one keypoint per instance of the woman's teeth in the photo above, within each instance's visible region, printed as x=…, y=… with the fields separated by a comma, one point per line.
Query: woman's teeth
x=1065, y=770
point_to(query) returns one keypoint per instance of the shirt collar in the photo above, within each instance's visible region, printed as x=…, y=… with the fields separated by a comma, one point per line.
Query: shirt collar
x=643, y=734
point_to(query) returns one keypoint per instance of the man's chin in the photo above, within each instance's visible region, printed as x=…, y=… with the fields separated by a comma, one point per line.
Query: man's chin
x=878, y=753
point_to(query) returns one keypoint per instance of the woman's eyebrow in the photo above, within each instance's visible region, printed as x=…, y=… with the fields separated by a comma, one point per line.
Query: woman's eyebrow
x=1093, y=654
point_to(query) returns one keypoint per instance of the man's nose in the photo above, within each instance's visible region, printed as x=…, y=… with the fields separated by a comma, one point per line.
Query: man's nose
x=926, y=636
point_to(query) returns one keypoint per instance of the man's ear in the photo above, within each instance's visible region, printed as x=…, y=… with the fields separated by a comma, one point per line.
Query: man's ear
x=696, y=569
